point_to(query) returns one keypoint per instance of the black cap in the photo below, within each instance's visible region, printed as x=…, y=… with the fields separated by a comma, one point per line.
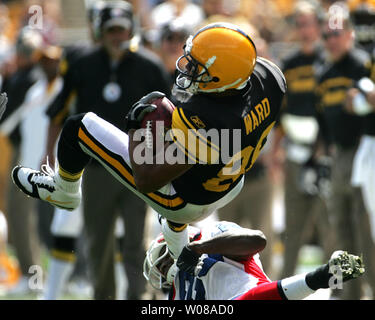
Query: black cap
x=116, y=13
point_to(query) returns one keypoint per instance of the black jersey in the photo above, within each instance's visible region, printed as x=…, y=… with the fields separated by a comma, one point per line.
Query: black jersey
x=300, y=72
x=207, y=129
x=107, y=89
x=342, y=128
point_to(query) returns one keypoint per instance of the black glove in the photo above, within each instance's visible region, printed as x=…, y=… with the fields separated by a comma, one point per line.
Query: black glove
x=3, y=103
x=140, y=109
x=188, y=260
x=342, y=266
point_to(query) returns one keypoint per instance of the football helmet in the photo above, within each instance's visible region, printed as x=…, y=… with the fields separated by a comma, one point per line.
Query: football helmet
x=219, y=57
x=156, y=269
x=155, y=255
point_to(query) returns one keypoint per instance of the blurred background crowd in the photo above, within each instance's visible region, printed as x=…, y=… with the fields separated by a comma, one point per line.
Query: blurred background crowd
x=61, y=57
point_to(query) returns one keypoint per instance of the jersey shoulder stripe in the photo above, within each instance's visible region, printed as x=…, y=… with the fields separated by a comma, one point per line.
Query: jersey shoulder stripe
x=192, y=140
x=196, y=129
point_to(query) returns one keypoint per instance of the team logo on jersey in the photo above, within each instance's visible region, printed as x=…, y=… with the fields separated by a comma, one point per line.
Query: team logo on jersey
x=198, y=122
x=111, y=92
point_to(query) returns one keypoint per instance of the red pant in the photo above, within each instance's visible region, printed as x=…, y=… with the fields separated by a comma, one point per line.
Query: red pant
x=264, y=291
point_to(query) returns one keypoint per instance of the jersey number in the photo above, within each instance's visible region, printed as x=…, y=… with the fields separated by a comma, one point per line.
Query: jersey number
x=237, y=166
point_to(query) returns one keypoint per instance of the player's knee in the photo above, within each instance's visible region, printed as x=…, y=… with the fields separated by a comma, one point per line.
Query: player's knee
x=71, y=126
x=73, y=122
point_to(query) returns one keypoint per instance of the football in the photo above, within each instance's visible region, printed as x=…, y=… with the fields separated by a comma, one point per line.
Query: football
x=158, y=121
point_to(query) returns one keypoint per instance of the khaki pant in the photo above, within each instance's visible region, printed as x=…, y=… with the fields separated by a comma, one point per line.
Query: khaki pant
x=22, y=224
x=104, y=199
x=303, y=213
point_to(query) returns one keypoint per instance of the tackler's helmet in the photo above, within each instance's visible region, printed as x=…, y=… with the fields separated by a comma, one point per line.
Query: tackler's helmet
x=157, y=252
x=219, y=57
x=155, y=259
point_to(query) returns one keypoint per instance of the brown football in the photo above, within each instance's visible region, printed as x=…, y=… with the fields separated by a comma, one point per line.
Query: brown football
x=158, y=121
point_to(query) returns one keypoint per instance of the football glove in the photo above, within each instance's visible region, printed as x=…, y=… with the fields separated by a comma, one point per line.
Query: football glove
x=3, y=103
x=138, y=111
x=189, y=261
x=342, y=266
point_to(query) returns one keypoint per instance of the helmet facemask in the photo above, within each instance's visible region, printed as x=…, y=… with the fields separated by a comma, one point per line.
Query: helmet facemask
x=190, y=72
x=158, y=276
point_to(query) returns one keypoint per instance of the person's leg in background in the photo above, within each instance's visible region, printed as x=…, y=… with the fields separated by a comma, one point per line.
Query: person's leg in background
x=60, y=267
x=65, y=229
x=323, y=224
x=298, y=217
x=99, y=199
x=120, y=274
x=366, y=241
x=45, y=217
x=341, y=208
x=23, y=235
x=320, y=228
x=134, y=214
x=363, y=179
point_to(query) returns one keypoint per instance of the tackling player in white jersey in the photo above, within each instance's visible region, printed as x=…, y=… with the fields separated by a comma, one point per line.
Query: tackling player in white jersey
x=222, y=262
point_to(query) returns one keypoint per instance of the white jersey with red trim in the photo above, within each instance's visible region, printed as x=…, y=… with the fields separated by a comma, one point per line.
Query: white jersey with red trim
x=220, y=278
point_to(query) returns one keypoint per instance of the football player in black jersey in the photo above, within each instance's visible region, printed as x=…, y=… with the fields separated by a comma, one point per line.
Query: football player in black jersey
x=235, y=98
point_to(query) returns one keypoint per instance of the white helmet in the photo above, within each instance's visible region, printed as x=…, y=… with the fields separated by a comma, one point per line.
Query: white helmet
x=154, y=256
x=158, y=251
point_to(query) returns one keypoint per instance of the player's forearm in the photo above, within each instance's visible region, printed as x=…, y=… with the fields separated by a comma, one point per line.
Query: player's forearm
x=150, y=177
x=237, y=245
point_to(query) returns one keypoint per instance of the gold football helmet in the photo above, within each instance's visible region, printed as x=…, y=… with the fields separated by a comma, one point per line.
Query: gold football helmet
x=219, y=57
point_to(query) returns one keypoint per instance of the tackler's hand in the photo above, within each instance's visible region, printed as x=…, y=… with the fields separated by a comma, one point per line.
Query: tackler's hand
x=138, y=111
x=189, y=261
